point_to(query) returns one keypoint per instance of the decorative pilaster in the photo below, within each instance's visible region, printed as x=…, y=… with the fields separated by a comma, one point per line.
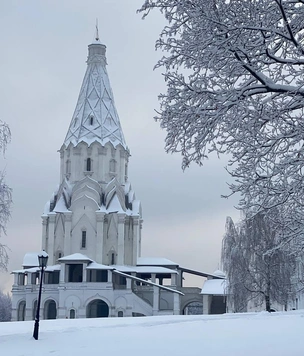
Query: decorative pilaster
x=67, y=232
x=62, y=273
x=206, y=303
x=176, y=304
x=44, y=232
x=51, y=230
x=100, y=217
x=155, y=300
x=173, y=279
x=121, y=239
x=84, y=273
x=136, y=246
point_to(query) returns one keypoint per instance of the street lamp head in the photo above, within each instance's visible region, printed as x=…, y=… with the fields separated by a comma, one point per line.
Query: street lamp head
x=43, y=258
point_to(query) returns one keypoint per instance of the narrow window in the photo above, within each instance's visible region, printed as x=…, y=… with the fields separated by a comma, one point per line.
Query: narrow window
x=113, y=165
x=91, y=120
x=83, y=239
x=68, y=167
x=89, y=164
x=72, y=314
x=112, y=258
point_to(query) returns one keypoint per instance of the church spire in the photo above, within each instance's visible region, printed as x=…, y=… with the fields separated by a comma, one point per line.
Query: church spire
x=95, y=118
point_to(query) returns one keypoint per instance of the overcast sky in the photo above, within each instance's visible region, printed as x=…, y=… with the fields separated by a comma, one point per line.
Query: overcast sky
x=42, y=64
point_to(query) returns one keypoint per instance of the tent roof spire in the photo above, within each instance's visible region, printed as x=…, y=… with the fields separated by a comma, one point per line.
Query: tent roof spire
x=95, y=117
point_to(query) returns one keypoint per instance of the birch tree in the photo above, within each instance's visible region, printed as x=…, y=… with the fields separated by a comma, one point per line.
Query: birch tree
x=234, y=75
x=5, y=195
x=257, y=269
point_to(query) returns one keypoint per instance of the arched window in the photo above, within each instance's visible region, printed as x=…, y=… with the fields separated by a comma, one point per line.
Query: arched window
x=193, y=308
x=50, y=309
x=120, y=314
x=58, y=254
x=112, y=258
x=72, y=314
x=83, y=239
x=89, y=164
x=21, y=311
x=68, y=167
x=97, y=309
x=113, y=165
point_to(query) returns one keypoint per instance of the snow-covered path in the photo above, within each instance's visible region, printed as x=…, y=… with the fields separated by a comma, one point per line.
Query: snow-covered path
x=277, y=334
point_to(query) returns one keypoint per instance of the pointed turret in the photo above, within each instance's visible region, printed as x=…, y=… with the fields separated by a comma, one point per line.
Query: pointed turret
x=95, y=117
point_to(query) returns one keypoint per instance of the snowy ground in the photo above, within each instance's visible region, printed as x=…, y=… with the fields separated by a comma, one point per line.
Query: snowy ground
x=279, y=334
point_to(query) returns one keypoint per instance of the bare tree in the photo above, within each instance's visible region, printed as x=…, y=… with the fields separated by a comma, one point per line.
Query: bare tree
x=5, y=195
x=257, y=269
x=234, y=73
x=5, y=307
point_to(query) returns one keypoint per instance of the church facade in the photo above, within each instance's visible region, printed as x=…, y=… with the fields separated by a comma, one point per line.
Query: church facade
x=91, y=227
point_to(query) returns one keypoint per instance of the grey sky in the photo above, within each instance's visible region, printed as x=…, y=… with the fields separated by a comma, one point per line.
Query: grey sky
x=42, y=64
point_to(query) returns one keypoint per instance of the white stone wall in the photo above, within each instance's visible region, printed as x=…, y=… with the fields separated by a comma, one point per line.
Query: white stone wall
x=106, y=162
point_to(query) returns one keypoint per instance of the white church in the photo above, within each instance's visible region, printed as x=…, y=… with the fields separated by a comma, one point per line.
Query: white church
x=91, y=228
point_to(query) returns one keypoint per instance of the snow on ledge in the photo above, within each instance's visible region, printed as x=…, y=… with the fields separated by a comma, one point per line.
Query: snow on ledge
x=214, y=287
x=95, y=265
x=75, y=257
x=155, y=261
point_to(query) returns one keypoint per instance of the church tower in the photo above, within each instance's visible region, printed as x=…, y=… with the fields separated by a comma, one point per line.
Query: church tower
x=92, y=226
x=94, y=211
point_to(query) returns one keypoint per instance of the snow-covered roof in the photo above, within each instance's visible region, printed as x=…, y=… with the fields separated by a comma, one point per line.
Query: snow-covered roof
x=219, y=273
x=95, y=117
x=60, y=206
x=214, y=287
x=95, y=265
x=25, y=270
x=30, y=259
x=155, y=261
x=115, y=206
x=37, y=269
x=123, y=268
x=75, y=257
x=153, y=269
x=53, y=268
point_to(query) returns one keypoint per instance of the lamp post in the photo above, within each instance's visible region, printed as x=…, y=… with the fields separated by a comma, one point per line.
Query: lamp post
x=42, y=258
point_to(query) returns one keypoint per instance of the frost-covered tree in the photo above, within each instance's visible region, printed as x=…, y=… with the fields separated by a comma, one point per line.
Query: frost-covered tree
x=235, y=84
x=258, y=268
x=5, y=195
x=5, y=307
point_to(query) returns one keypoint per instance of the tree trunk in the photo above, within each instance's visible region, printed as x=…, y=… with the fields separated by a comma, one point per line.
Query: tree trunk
x=267, y=300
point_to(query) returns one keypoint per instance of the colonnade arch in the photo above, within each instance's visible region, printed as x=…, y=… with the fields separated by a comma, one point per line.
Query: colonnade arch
x=97, y=308
x=50, y=309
